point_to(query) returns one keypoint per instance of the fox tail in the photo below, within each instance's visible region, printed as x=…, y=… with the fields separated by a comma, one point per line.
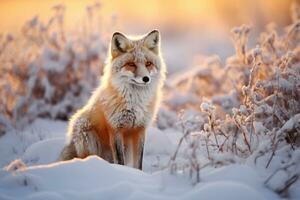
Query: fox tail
x=68, y=153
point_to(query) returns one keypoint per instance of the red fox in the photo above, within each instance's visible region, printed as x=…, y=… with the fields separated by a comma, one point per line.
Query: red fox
x=113, y=123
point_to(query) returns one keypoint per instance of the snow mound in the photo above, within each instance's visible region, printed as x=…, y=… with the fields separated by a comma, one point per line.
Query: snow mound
x=43, y=152
x=94, y=178
x=225, y=190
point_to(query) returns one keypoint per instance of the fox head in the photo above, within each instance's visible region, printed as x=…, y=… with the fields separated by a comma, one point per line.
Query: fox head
x=135, y=61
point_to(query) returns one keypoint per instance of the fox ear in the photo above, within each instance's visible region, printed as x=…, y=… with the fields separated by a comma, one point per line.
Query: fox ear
x=119, y=44
x=152, y=41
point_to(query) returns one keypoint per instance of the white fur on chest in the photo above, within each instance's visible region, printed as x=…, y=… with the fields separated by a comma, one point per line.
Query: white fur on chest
x=134, y=110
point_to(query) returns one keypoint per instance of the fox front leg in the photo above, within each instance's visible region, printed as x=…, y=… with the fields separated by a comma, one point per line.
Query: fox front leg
x=119, y=149
x=138, y=150
x=134, y=147
x=141, y=155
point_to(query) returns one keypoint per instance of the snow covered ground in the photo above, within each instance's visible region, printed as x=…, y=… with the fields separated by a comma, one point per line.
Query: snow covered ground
x=38, y=146
x=94, y=178
x=240, y=117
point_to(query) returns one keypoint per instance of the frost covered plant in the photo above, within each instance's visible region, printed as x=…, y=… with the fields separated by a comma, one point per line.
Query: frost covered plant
x=47, y=71
x=240, y=39
x=263, y=125
x=191, y=153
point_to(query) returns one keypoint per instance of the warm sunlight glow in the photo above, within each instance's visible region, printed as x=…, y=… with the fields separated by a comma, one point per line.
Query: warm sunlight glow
x=190, y=13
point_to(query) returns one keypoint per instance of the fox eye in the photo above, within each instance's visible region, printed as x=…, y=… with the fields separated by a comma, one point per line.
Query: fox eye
x=130, y=64
x=148, y=64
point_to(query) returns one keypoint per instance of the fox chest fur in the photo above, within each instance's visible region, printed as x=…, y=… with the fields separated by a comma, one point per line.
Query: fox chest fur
x=129, y=107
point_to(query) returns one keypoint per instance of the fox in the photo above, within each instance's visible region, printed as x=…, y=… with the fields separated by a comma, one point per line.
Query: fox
x=113, y=122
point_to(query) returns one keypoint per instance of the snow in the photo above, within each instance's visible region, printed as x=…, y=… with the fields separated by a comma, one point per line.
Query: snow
x=41, y=140
x=288, y=126
x=205, y=106
x=94, y=178
x=259, y=127
x=44, y=151
x=37, y=175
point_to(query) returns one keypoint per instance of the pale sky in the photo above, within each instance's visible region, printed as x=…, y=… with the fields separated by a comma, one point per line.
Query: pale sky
x=192, y=13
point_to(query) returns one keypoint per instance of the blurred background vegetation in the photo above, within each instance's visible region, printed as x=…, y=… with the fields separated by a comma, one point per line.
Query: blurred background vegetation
x=197, y=26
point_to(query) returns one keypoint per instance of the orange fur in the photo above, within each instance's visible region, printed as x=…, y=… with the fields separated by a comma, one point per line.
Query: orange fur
x=112, y=124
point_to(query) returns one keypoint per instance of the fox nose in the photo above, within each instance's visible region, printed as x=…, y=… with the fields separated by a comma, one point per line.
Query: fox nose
x=146, y=79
